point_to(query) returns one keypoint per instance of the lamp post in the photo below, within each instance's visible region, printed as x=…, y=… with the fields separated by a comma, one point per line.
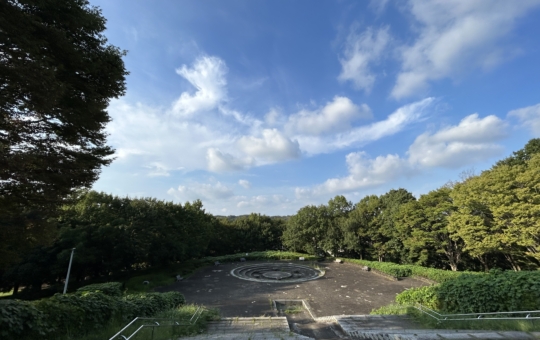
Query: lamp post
x=69, y=270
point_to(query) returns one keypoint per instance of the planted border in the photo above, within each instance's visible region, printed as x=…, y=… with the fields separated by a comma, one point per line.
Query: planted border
x=65, y=316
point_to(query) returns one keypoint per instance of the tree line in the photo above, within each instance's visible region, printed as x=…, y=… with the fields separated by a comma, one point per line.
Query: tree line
x=115, y=235
x=484, y=221
x=481, y=222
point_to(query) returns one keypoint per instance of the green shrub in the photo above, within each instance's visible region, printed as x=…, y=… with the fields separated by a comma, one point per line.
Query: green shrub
x=148, y=304
x=389, y=268
x=77, y=314
x=18, y=318
x=259, y=255
x=494, y=292
x=109, y=288
x=426, y=296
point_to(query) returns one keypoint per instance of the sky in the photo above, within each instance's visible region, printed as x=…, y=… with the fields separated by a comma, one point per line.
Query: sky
x=269, y=106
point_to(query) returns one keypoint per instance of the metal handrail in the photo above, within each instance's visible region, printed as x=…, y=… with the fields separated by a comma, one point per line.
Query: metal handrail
x=476, y=316
x=194, y=318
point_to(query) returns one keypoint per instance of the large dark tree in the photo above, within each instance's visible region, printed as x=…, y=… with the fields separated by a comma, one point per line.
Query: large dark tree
x=57, y=75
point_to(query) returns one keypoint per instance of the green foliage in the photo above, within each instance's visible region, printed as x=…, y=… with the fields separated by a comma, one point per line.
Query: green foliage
x=437, y=275
x=109, y=288
x=148, y=304
x=392, y=309
x=494, y=292
x=58, y=75
x=81, y=313
x=389, y=268
x=426, y=296
x=259, y=255
x=18, y=318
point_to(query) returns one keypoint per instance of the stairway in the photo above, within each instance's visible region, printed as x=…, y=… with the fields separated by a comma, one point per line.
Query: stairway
x=396, y=327
x=273, y=328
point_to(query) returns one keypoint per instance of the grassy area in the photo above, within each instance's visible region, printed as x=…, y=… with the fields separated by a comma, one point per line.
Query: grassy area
x=181, y=314
x=6, y=294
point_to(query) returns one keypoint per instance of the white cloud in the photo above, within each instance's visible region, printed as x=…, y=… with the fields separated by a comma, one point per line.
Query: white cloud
x=469, y=142
x=244, y=183
x=358, y=136
x=145, y=135
x=221, y=161
x=335, y=116
x=207, y=75
x=272, y=146
x=529, y=116
x=362, y=50
x=158, y=169
x=202, y=191
x=256, y=203
x=273, y=117
x=378, y=6
x=454, y=36
x=363, y=173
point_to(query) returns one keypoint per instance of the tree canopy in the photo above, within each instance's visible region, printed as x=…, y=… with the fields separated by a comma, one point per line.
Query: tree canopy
x=57, y=76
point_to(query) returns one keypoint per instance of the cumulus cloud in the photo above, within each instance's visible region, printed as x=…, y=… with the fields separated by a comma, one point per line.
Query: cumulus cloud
x=158, y=169
x=454, y=36
x=529, y=116
x=361, y=51
x=257, y=202
x=202, y=191
x=335, y=116
x=221, y=161
x=471, y=141
x=244, y=183
x=145, y=135
x=363, y=173
x=272, y=146
x=361, y=135
x=207, y=75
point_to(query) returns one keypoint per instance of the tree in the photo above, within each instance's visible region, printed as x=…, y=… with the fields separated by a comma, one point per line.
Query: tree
x=424, y=226
x=362, y=228
x=57, y=75
x=389, y=243
x=521, y=156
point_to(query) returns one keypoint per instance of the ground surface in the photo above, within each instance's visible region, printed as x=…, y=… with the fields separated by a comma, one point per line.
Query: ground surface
x=343, y=290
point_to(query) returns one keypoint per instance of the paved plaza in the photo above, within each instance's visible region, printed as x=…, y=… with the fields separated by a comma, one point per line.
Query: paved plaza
x=343, y=290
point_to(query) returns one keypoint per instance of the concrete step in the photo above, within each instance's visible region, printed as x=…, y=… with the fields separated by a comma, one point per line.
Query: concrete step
x=397, y=327
x=250, y=336
x=250, y=328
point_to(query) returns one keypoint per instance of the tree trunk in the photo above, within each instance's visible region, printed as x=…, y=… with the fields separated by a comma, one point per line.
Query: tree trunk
x=483, y=260
x=453, y=266
x=513, y=263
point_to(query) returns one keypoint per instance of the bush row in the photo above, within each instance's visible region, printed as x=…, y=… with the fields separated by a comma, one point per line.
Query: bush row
x=389, y=268
x=259, y=255
x=78, y=313
x=496, y=291
x=405, y=270
x=109, y=288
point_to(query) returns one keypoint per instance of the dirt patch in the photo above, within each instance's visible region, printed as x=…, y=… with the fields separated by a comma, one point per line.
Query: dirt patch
x=344, y=290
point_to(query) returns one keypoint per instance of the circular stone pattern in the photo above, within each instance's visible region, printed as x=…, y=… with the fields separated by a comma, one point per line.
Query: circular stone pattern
x=276, y=272
x=276, y=275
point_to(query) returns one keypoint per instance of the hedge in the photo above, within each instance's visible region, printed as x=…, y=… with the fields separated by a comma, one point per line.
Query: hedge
x=259, y=255
x=109, y=288
x=78, y=313
x=496, y=291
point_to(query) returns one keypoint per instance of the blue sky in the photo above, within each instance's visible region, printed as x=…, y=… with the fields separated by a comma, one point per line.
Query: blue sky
x=268, y=106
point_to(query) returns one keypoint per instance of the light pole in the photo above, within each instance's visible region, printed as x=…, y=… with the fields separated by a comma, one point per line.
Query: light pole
x=69, y=270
